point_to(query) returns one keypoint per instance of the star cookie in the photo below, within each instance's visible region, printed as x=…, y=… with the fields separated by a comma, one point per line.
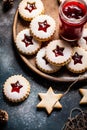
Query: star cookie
x=84, y=93
x=49, y=100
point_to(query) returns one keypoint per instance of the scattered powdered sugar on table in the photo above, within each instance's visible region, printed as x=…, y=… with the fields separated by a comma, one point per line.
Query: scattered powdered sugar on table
x=27, y=113
x=5, y=21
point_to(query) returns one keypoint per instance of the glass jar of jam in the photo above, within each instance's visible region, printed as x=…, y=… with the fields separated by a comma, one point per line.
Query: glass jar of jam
x=73, y=16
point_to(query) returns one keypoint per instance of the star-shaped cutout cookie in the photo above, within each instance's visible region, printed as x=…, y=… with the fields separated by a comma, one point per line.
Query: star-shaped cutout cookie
x=84, y=93
x=49, y=100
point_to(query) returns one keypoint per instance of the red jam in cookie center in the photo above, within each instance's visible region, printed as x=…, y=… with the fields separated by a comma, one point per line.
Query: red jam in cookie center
x=58, y=51
x=74, y=10
x=77, y=58
x=27, y=40
x=16, y=87
x=43, y=26
x=30, y=7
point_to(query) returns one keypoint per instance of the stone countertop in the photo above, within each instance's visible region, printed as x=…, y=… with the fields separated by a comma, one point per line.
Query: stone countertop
x=25, y=116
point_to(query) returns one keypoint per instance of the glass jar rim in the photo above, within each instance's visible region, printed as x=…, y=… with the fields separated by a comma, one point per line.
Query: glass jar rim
x=73, y=21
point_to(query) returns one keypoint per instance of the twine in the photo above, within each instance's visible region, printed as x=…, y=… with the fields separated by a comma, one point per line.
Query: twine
x=79, y=122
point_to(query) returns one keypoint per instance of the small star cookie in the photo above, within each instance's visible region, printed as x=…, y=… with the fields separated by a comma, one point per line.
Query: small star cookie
x=49, y=100
x=84, y=93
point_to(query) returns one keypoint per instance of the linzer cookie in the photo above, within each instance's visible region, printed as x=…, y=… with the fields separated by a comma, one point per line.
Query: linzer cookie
x=26, y=44
x=82, y=42
x=78, y=63
x=28, y=9
x=58, y=52
x=16, y=88
x=43, y=64
x=43, y=27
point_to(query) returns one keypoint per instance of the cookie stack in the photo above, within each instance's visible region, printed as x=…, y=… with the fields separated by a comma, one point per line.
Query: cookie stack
x=38, y=39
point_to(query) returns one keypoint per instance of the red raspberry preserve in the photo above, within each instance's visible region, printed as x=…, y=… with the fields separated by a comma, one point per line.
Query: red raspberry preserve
x=73, y=16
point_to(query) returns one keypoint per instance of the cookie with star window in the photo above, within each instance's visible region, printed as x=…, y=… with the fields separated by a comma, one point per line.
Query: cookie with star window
x=28, y=9
x=26, y=44
x=43, y=27
x=43, y=64
x=82, y=42
x=58, y=52
x=78, y=63
x=16, y=88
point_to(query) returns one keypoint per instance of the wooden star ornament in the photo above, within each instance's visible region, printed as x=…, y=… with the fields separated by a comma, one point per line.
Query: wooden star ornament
x=84, y=93
x=49, y=100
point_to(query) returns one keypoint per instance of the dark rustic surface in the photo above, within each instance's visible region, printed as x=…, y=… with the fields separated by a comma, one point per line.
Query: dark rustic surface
x=25, y=116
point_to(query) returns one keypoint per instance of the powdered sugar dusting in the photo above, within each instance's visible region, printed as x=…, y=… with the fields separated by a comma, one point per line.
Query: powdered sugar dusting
x=27, y=112
x=29, y=15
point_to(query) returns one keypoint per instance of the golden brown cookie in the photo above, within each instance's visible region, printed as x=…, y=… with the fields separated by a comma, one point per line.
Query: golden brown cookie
x=49, y=100
x=84, y=94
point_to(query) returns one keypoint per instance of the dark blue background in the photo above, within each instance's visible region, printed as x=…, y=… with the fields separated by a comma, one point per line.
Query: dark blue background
x=25, y=116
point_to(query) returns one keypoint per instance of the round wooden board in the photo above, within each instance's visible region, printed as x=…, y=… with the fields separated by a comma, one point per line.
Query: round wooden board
x=19, y=24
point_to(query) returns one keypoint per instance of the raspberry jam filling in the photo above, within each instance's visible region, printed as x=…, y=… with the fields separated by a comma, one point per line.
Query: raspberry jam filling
x=72, y=19
x=74, y=10
x=27, y=40
x=77, y=58
x=43, y=26
x=30, y=7
x=16, y=87
x=58, y=51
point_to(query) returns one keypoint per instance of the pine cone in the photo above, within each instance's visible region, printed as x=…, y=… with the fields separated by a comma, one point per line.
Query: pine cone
x=3, y=116
x=7, y=4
